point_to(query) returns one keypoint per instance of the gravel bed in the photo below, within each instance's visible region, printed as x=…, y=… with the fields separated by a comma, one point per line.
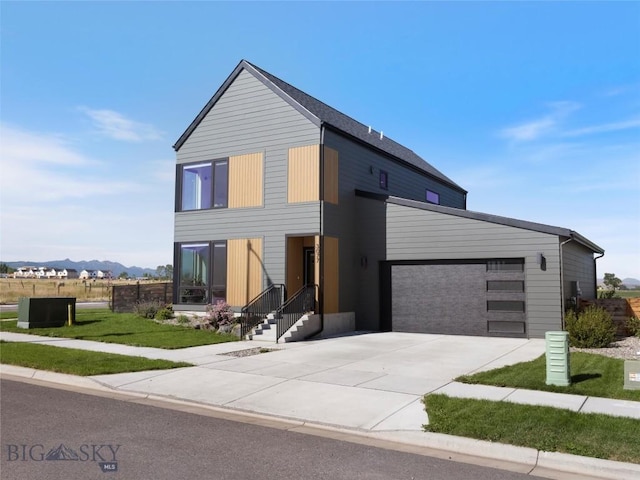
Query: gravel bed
x=625, y=349
x=249, y=351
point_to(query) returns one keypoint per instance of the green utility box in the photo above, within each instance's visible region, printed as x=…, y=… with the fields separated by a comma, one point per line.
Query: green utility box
x=632, y=374
x=43, y=312
x=557, y=352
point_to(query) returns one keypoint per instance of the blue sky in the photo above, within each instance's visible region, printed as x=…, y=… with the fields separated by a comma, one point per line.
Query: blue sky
x=532, y=107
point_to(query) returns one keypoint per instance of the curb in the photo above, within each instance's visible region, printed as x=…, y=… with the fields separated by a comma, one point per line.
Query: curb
x=586, y=466
x=461, y=449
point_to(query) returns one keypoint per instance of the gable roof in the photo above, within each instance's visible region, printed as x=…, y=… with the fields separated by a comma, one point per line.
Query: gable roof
x=485, y=217
x=321, y=114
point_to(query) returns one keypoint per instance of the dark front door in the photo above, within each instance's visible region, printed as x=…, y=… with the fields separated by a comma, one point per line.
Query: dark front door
x=309, y=265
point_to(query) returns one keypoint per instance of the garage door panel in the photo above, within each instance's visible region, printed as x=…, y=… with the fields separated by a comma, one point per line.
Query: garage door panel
x=439, y=299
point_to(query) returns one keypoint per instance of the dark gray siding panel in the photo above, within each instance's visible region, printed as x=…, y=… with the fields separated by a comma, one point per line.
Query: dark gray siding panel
x=369, y=250
x=579, y=266
x=250, y=118
x=359, y=168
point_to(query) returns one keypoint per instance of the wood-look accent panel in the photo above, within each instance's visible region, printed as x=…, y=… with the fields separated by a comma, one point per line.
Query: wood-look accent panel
x=330, y=175
x=246, y=174
x=303, y=178
x=244, y=270
x=294, y=264
x=331, y=275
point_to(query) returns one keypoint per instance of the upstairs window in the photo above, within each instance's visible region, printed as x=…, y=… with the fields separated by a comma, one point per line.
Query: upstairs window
x=384, y=180
x=433, y=197
x=204, y=185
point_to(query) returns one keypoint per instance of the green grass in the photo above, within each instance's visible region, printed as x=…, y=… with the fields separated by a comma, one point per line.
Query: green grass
x=5, y=315
x=543, y=428
x=628, y=293
x=102, y=325
x=77, y=362
x=591, y=375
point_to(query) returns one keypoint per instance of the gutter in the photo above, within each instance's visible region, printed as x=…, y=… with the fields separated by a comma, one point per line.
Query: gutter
x=595, y=274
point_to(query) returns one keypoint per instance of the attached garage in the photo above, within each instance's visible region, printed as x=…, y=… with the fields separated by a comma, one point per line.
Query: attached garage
x=444, y=270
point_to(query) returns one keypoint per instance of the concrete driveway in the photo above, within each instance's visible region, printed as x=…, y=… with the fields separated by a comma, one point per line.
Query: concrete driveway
x=372, y=381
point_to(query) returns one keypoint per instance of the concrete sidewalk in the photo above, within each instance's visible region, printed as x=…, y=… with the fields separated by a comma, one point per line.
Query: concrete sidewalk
x=371, y=383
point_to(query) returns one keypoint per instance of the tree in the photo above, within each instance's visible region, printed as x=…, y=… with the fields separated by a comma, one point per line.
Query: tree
x=4, y=268
x=123, y=276
x=161, y=271
x=164, y=271
x=612, y=282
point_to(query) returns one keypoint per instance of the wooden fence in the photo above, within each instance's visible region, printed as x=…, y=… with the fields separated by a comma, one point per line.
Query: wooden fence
x=125, y=297
x=620, y=310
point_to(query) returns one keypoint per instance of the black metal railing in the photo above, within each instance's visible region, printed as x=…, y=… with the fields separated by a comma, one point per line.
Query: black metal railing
x=303, y=301
x=254, y=313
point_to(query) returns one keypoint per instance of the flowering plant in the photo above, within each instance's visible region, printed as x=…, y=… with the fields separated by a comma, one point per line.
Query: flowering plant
x=219, y=314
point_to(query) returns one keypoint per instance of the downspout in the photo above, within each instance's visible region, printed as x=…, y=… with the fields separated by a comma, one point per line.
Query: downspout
x=595, y=275
x=562, y=282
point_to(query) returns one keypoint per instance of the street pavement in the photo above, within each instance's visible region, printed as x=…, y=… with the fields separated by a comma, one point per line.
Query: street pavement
x=368, y=384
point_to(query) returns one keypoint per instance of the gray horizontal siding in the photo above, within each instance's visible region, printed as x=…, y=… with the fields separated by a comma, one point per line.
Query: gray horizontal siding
x=414, y=234
x=579, y=267
x=250, y=118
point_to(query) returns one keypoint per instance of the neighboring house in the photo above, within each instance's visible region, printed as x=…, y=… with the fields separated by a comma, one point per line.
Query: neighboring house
x=88, y=274
x=25, y=272
x=275, y=187
x=52, y=273
x=41, y=272
x=67, y=273
x=103, y=274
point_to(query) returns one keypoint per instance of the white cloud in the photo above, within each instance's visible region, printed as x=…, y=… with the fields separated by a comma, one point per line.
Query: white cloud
x=534, y=129
x=607, y=127
x=41, y=167
x=18, y=146
x=57, y=202
x=115, y=125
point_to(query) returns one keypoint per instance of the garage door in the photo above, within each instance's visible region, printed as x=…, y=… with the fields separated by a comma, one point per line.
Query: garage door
x=473, y=298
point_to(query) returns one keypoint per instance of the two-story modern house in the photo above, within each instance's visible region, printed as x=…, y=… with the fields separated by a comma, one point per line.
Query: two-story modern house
x=275, y=188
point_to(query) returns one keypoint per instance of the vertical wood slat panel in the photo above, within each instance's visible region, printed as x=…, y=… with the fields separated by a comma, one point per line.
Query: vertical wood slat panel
x=331, y=278
x=244, y=270
x=303, y=177
x=246, y=174
x=330, y=175
x=294, y=264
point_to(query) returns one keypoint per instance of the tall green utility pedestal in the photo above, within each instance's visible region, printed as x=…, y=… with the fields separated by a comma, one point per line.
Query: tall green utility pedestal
x=558, y=365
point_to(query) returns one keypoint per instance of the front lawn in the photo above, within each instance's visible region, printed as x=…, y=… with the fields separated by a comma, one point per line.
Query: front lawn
x=102, y=325
x=77, y=362
x=591, y=375
x=543, y=428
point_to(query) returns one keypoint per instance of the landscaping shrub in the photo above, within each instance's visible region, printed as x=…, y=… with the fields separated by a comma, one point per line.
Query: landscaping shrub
x=164, y=313
x=219, y=315
x=147, y=309
x=633, y=325
x=591, y=328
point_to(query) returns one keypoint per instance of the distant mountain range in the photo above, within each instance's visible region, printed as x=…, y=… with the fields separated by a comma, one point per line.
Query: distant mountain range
x=115, y=267
x=629, y=282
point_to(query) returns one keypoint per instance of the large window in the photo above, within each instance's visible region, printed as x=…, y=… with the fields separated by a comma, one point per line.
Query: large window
x=204, y=185
x=203, y=272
